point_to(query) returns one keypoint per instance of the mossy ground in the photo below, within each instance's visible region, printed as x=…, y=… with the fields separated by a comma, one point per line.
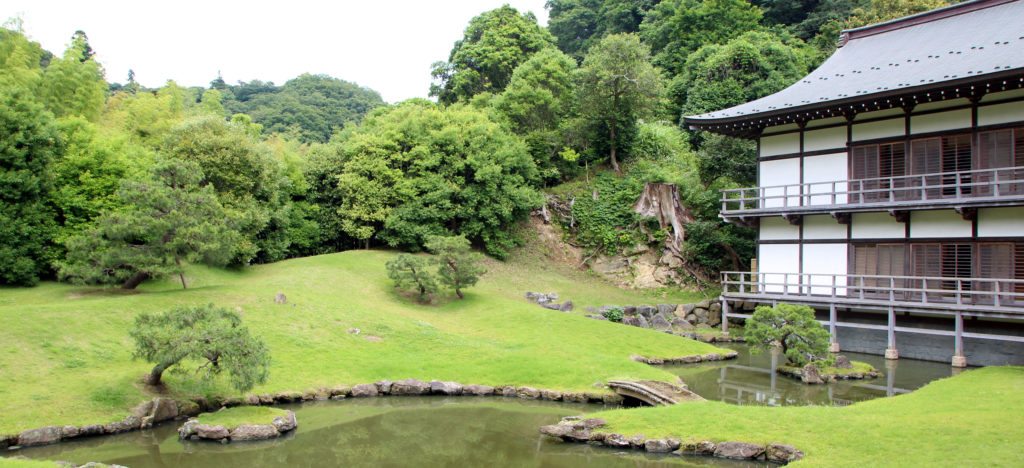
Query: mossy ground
x=67, y=359
x=239, y=415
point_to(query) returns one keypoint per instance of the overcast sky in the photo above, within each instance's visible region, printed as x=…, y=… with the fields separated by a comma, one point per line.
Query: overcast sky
x=387, y=45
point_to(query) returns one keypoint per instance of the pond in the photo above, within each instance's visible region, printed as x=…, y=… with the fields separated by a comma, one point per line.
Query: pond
x=749, y=380
x=393, y=431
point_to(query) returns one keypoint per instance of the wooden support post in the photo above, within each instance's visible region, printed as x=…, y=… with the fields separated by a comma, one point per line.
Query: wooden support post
x=959, y=360
x=725, y=318
x=890, y=350
x=833, y=346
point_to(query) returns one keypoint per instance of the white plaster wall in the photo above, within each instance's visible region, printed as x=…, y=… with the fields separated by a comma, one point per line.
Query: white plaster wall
x=1001, y=113
x=940, y=121
x=823, y=227
x=1001, y=222
x=829, y=121
x=821, y=261
x=938, y=223
x=880, y=113
x=774, y=145
x=821, y=171
x=876, y=226
x=774, y=259
x=926, y=106
x=780, y=172
x=879, y=129
x=776, y=228
x=992, y=97
x=826, y=138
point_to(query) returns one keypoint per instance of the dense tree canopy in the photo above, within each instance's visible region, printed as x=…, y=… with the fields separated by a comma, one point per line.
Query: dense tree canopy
x=578, y=24
x=494, y=44
x=676, y=28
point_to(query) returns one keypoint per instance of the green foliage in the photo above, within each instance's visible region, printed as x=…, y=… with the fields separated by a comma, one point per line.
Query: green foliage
x=578, y=24
x=676, y=28
x=793, y=327
x=411, y=272
x=603, y=214
x=29, y=142
x=213, y=336
x=312, y=107
x=750, y=66
x=493, y=45
x=723, y=157
x=616, y=86
x=73, y=85
x=165, y=221
x=20, y=59
x=458, y=267
x=614, y=314
x=415, y=170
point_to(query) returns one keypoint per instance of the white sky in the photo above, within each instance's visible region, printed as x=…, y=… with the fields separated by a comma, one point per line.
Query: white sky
x=387, y=45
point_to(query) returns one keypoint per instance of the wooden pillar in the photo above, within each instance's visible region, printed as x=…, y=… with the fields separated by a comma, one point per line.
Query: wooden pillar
x=890, y=350
x=725, y=317
x=833, y=346
x=959, y=360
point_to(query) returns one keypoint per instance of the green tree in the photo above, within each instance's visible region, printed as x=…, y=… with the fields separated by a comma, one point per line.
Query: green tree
x=166, y=222
x=793, y=327
x=578, y=24
x=535, y=102
x=411, y=272
x=675, y=28
x=73, y=85
x=837, y=15
x=493, y=45
x=29, y=142
x=617, y=85
x=213, y=337
x=21, y=60
x=458, y=267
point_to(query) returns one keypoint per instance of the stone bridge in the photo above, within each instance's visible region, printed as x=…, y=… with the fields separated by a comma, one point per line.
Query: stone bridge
x=653, y=392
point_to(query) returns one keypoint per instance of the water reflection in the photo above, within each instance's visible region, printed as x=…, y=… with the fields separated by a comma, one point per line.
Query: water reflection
x=386, y=432
x=751, y=379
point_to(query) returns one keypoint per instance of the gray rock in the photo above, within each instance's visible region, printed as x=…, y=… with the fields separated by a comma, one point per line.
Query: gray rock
x=738, y=450
x=288, y=397
x=211, y=432
x=550, y=395
x=142, y=409
x=779, y=453
x=810, y=375
x=410, y=387
x=285, y=423
x=843, y=362
x=90, y=430
x=714, y=320
x=188, y=429
x=612, y=399
x=704, y=447
x=704, y=304
x=596, y=317
x=681, y=324
x=365, y=390
x=445, y=388
x=556, y=430
x=628, y=310
x=254, y=432
x=506, y=391
x=661, y=445
x=646, y=311
x=686, y=309
x=702, y=314
x=552, y=306
x=616, y=440
x=70, y=432
x=383, y=386
x=527, y=393
x=567, y=306
x=637, y=441
x=574, y=397
x=593, y=423
x=41, y=436
x=478, y=390
x=716, y=308
x=666, y=309
x=164, y=409
x=280, y=299
x=659, y=323
x=692, y=318
x=642, y=322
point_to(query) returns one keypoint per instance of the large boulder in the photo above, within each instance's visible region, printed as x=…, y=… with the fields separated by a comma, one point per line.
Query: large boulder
x=438, y=387
x=188, y=429
x=738, y=450
x=527, y=393
x=211, y=432
x=365, y=390
x=843, y=362
x=383, y=386
x=478, y=390
x=811, y=375
x=646, y=311
x=616, y=440
x=41, y=436
x=164, y=409
x=285, y=423
x=666, y=309
x=680, y=324
x=567, y=306
x=550, y=395
x=659, y=323
x=661, y=445
x=779, y=453
x=714, y=320
x=704, y=447
x=410, y=387
x=254, y=432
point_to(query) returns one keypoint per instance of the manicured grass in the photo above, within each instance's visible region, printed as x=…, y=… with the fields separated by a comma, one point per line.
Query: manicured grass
x=66, y=355
x=856, y=367
x=972, y=419
x=239, y=415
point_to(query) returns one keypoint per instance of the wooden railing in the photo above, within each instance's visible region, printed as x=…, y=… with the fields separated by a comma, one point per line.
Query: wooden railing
x=1001, y=183
x=937, y=292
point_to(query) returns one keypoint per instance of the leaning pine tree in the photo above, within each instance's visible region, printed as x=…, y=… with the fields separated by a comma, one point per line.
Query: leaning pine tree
x=213, y=337
x=792, y=327
x=411, y=272
x=458, y=267
x=167, y=221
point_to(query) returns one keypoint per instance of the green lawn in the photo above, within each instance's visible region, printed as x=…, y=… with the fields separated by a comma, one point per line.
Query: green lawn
x=234, y=417
x=66, y=355
x=973, y=419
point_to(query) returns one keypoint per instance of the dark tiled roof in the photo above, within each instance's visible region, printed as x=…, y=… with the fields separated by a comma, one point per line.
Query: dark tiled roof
x=980, y=39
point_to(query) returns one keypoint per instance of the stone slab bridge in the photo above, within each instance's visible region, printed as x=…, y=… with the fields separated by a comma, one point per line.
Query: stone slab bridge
x=653, y=392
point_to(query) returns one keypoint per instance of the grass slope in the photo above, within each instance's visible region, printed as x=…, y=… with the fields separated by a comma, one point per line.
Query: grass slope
x=66, y=355
x=239, y=415
x=972, y=419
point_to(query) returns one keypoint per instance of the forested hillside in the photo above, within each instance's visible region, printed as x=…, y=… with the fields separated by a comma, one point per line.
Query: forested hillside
x=112, y=183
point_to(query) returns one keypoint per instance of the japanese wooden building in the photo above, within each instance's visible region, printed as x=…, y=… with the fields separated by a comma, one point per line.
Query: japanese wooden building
x=891, y=182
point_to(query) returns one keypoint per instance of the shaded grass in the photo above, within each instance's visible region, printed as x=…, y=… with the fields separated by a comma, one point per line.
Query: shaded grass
x=972, y=419
x=66, y=357
x=231, y=418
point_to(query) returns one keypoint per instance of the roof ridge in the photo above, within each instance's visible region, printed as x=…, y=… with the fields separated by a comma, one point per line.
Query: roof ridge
x=955, y=9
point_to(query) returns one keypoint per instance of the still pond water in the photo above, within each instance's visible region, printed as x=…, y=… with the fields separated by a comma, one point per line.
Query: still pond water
x=469, y=432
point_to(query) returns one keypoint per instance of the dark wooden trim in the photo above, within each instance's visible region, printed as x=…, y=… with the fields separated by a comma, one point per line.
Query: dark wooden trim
x=890, y=240
x=921, y=18
x=808, y=154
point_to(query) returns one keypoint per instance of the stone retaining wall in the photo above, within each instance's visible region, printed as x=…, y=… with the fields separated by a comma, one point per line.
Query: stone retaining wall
x=579, y=430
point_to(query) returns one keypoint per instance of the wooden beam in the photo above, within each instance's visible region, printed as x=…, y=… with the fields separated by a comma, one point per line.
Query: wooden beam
x=841, y=217
x=793, y=219
x=967, y=213
x=901, y=216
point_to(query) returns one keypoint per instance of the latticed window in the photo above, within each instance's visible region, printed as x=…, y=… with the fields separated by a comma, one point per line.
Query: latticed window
x=1000, y=152
x=876, y=169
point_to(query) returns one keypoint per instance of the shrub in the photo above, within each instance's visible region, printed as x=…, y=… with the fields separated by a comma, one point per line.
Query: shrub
x=212, y=336
x=613, y=314
x=410, y=272
x=458, y=267
x=794, y=328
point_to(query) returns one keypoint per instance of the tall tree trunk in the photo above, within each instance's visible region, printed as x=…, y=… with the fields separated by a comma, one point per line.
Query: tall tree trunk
x=181, y=272
x=458, y=292
x=615, y=161
x=157, y=373
x=135, y=280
